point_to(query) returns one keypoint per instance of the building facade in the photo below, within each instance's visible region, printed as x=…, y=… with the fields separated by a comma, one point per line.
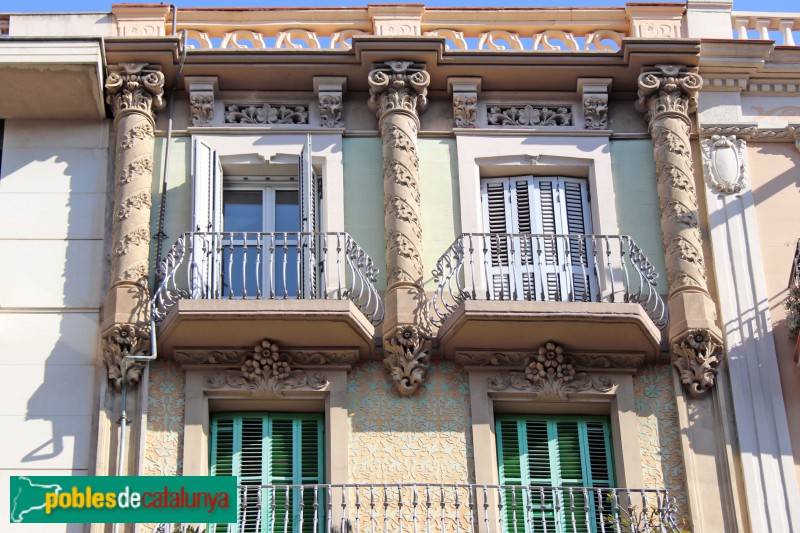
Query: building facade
x=401, y=267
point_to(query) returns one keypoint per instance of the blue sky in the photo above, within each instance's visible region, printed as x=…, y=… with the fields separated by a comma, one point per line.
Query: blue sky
x=105, y=5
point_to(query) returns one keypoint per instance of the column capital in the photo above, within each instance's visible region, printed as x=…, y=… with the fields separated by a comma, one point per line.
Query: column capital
x=668, y=90
x=134, y=87
x=398, y=86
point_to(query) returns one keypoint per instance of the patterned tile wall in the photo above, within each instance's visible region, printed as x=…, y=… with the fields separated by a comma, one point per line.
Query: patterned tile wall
x=425, y=438
x=165, y=406
x=659, y=433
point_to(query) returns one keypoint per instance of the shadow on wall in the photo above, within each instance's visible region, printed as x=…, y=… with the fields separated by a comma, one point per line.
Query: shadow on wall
x=67, y=278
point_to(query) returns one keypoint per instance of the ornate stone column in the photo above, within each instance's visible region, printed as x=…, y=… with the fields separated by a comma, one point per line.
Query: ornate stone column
x=397, y=95
x=667, y=96
x=134, y=93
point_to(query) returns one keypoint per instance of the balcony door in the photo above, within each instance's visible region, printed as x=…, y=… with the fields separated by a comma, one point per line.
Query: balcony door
x=537, y=239
x=260, y=234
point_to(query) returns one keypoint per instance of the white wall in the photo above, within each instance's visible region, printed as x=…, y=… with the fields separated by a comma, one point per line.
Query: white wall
x=53, y=183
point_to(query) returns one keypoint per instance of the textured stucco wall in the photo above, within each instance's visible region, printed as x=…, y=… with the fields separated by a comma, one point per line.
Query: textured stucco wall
x=775, y=181
x=659, y=434
x=637, y=200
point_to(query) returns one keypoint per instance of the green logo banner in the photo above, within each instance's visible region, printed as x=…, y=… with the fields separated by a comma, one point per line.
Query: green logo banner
x=123, y=499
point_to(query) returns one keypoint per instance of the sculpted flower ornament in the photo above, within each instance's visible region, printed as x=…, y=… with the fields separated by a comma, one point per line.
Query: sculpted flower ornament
x=268, y=369
x=407, y=358
x=121, y=341
x=697, y=358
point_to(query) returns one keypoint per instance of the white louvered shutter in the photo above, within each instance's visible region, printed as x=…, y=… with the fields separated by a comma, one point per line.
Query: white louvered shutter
x=206, y=218
x=528, y=261
x=309, y=197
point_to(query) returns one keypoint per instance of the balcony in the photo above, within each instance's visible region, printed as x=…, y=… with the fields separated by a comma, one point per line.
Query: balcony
x=503, y=291
x=301, y=289
x=446, y=508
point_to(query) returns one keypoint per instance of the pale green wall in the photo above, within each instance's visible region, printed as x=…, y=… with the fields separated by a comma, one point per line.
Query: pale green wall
x=178, y=217
x=637, y=200
x=441, y=211
x=363, y=198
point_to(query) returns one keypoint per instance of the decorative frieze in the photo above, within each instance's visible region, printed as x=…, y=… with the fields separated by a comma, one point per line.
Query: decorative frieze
x=724, y=163
x=550, y=374
x=667, y=95
x=625, y=362
x=529, y=115
x=266, y=114
x=236, y=356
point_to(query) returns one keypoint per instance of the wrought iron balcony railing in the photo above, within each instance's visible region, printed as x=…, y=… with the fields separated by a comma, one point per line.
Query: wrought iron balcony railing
x=545, y=267
x=448, y=508
x=261, y=266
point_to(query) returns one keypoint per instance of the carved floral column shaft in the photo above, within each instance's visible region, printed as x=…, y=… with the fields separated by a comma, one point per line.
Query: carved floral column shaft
x=134, y=93
x=397, y=95
x=667, y=96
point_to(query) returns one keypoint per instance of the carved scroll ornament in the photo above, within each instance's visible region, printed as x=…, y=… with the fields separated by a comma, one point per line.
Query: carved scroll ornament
x=399, y=85
x=550, y=374
x=134, y=87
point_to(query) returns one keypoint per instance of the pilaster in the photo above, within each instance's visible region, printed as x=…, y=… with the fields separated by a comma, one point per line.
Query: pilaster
x=768, y=477
x=398, y=92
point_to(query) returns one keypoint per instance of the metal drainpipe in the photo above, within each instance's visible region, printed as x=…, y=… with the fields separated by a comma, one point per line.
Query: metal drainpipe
x=162, y=208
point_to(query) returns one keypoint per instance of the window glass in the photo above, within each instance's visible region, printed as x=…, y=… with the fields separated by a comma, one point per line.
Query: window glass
x=243, y=210
x=287, y=211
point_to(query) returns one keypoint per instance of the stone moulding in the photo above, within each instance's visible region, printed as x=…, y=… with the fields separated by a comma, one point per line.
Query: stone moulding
x=550, y=374
x=265, y=113
x=538, y=115
x=517, y=360
x=202, y=108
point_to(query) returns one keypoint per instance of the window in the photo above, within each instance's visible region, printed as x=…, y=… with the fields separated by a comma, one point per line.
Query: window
x=260, y=224
x=271, y=449
x=254, y=236
x=538, y=238
x=554, y=451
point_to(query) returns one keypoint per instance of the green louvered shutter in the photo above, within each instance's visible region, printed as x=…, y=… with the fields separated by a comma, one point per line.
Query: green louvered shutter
x=557, y=451
x=271, y=449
